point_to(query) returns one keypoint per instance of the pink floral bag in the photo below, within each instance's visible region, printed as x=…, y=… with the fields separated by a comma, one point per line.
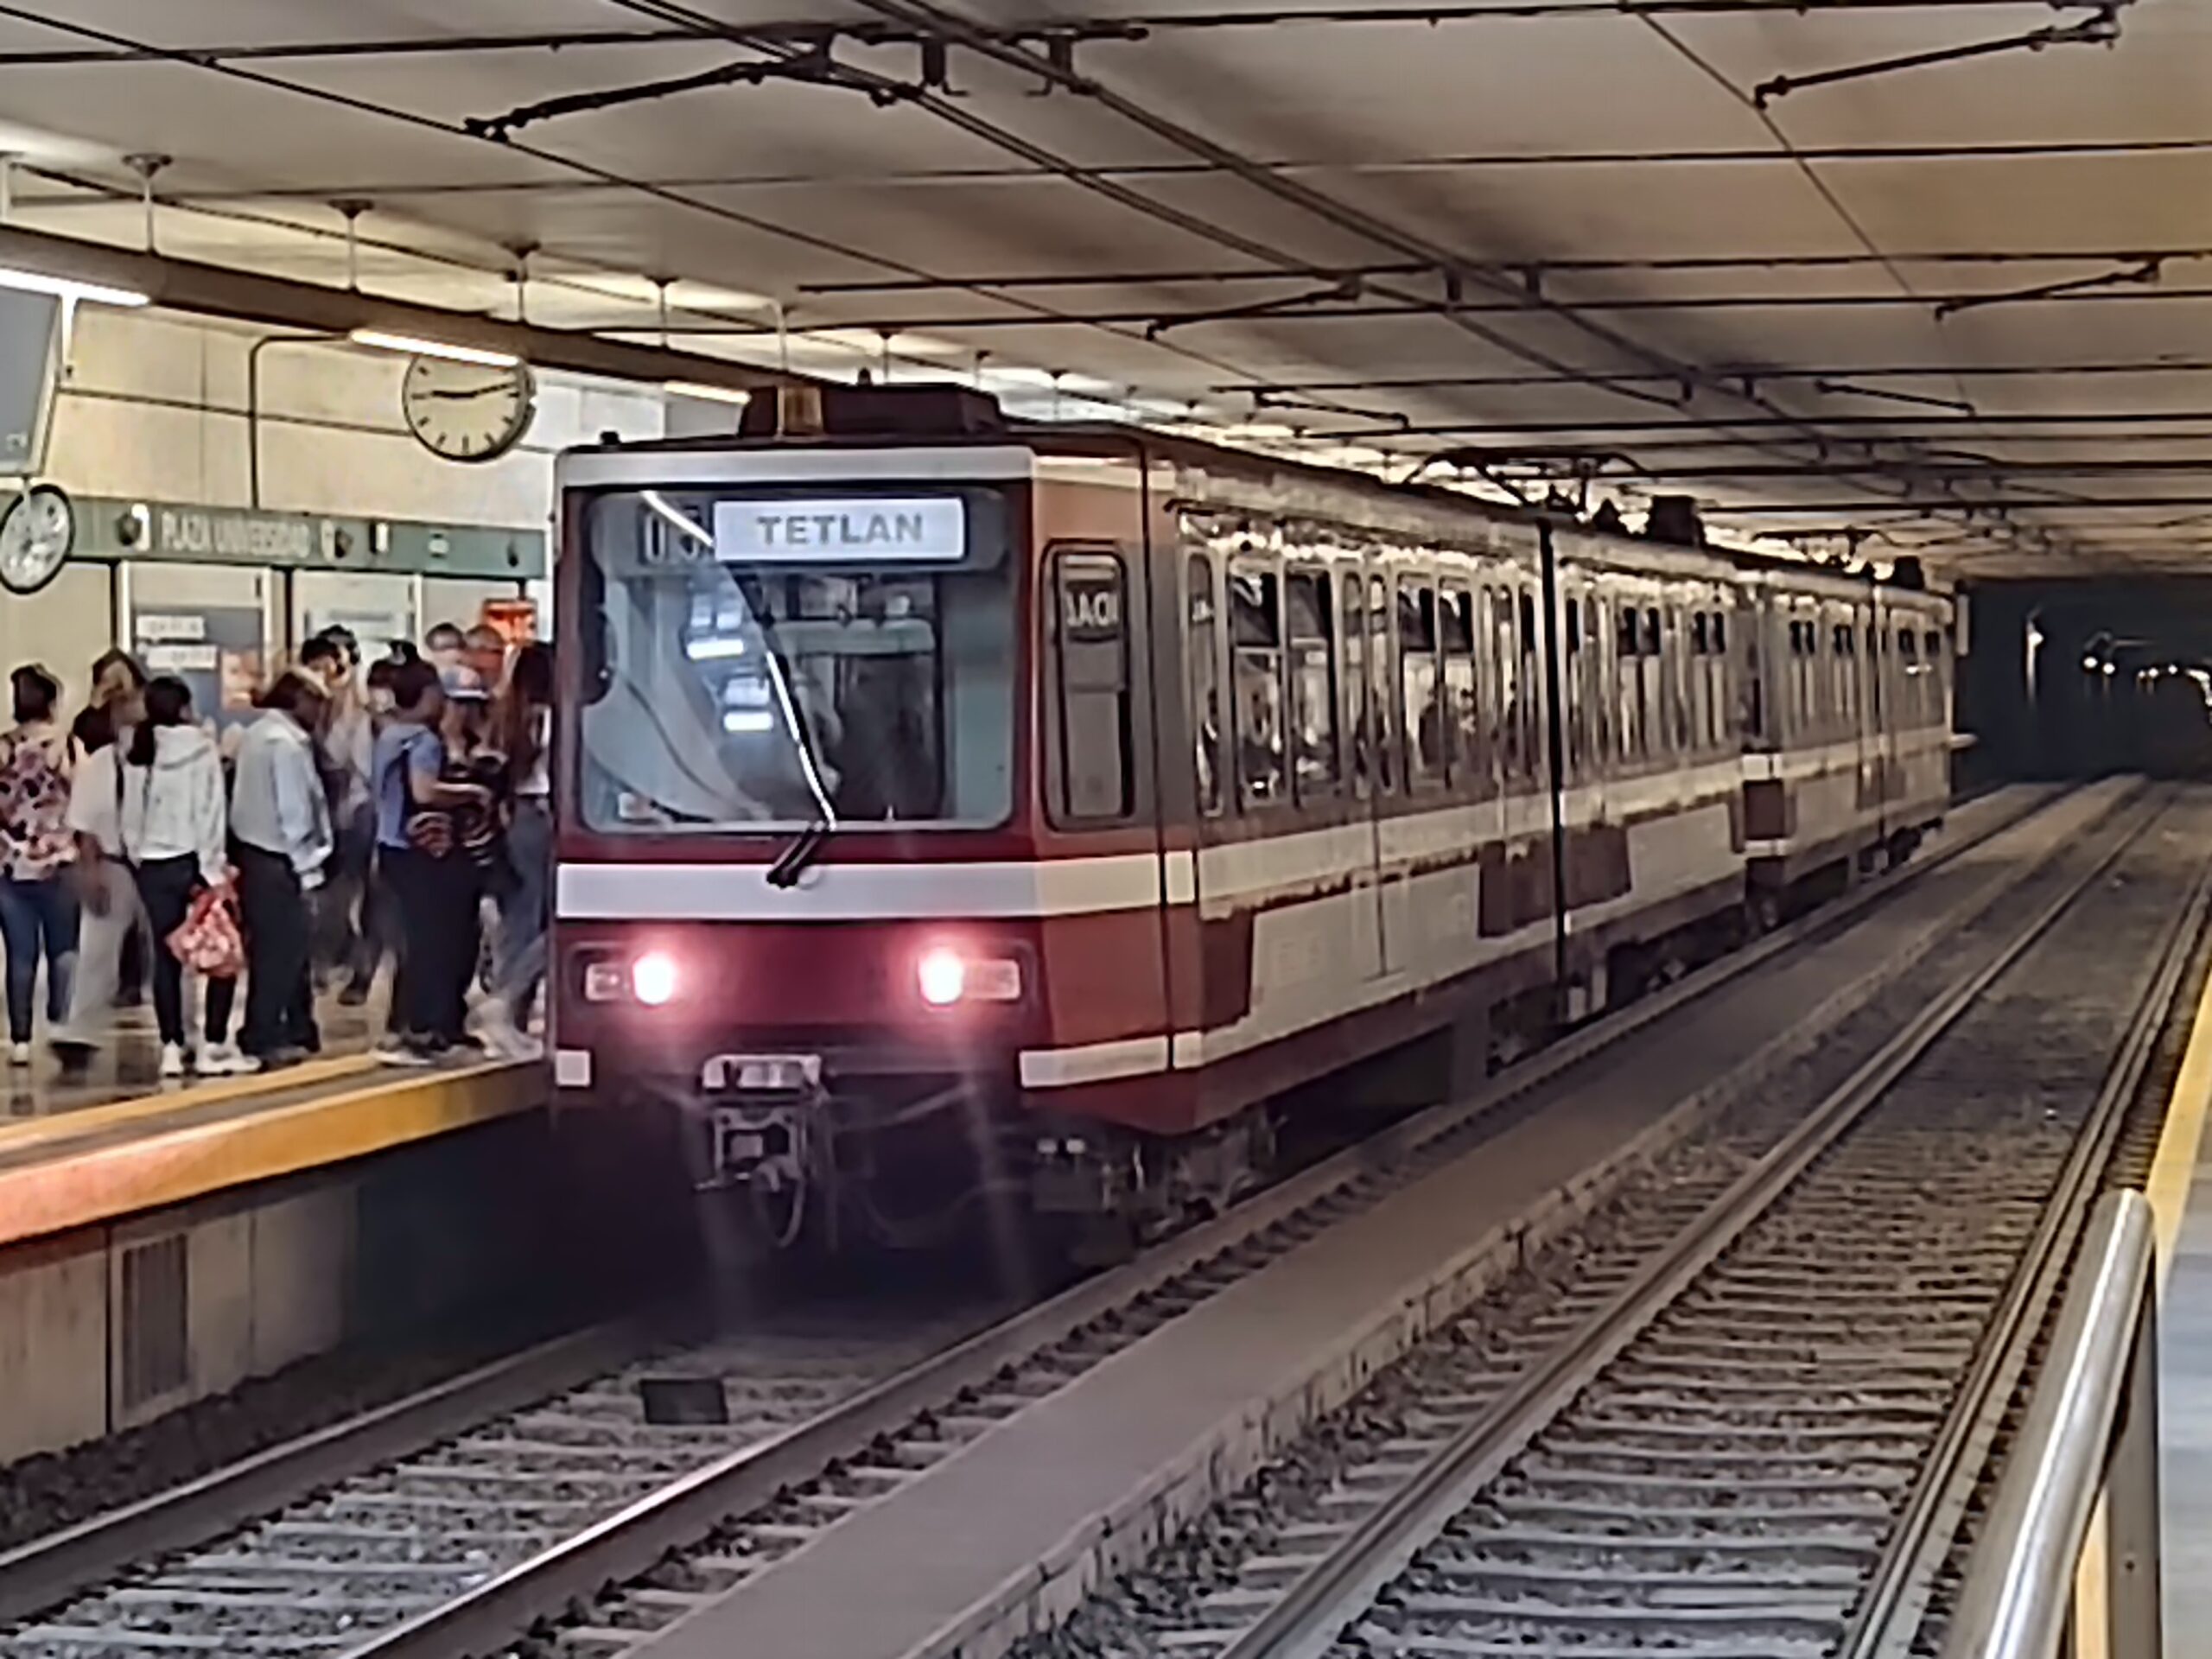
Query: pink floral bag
x=208, y=940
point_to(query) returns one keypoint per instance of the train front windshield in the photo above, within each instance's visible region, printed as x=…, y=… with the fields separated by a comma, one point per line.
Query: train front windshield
x=761, y=661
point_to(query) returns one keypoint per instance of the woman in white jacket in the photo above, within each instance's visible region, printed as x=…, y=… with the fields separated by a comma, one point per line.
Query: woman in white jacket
x=172, y=827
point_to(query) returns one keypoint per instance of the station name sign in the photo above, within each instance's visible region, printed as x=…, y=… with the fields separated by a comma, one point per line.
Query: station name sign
x=830, y=530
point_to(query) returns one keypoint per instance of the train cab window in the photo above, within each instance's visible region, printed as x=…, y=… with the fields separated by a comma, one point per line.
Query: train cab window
x=1312, y=684
x=1456, y=623
x=1202, y=659
x=1256, y=673
x=1419, y=684
x=1382, y=685
x=1091, y=664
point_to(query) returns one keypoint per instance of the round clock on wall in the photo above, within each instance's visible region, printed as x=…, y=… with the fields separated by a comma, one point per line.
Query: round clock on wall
x=38, y=528
x=467, y=411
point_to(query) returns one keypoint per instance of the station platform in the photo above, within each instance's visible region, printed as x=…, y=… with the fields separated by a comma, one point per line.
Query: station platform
x=162, y=1243
x=117, y=1141
x=2180, y=1190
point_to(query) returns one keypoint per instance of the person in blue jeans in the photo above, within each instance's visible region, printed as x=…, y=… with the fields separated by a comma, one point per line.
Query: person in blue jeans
x=38, y=907
x=431, y=882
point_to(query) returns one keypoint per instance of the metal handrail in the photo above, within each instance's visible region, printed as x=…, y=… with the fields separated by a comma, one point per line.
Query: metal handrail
x=2092, y=1428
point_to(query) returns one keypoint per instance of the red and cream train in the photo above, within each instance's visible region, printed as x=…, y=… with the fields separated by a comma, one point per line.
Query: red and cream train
x=952, y=806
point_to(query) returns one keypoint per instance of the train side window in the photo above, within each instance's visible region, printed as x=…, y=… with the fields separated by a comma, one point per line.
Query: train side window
x=1532, y=717
x=1312, y=684
x=1255, y=668
x=1097, y=778
x=1631, y=636
x=1202, y=653
x=1456, y=621
x=1382, y=684
x=1419, y=683
x=1355, y=721
x=1699, y=646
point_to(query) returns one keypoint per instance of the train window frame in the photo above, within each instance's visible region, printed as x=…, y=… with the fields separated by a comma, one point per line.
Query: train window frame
x=1104, y=662
x=1383, y=684
x=1302, y=652
x=1255, y=666
x=1205, y=679
x=1357, y=734
x=1457, y=650
x=1420, y=706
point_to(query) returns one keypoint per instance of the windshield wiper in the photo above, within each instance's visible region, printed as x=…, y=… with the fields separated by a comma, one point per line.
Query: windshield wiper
x=795, y=858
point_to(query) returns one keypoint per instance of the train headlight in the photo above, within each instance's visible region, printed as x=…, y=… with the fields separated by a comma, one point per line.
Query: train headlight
x=946, y=976
x=652, y=978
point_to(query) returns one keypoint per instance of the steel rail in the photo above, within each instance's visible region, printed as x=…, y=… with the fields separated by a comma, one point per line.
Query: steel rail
x=629, y=1543
x=1886, y=1623
x=78, y=1558
x=2094, y=1419
x=1313, y=1612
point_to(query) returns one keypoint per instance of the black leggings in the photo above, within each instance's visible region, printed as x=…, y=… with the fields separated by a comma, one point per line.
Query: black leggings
x=439, y=928
x=165, y=887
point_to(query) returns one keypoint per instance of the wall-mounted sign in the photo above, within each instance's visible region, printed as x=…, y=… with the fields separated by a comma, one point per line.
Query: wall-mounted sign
x=109, y=527
x=245, y=538
x=30, y=352
x=862, y=530
x=217, y=649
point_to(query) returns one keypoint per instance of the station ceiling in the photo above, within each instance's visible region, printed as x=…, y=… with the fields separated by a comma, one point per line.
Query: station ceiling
x=1895, y=276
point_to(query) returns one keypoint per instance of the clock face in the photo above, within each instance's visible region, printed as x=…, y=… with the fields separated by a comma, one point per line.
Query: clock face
x=467, y=411
x=37, y=531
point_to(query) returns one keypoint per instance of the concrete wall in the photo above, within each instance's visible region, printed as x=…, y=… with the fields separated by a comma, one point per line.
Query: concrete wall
x=111, y=1327
x=155, y=404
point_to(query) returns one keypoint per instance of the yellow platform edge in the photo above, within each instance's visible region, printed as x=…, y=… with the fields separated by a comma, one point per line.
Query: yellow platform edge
x=107, y=1182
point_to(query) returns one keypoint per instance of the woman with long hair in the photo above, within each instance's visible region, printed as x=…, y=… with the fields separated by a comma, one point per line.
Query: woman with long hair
x=173, y=824
x=38, y=907
x=522, y=730
x=111, y=931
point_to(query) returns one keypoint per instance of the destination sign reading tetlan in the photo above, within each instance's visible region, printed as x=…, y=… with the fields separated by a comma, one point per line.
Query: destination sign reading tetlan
x=829, y=531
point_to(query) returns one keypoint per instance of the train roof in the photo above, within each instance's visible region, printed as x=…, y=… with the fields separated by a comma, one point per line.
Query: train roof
x=952, y=417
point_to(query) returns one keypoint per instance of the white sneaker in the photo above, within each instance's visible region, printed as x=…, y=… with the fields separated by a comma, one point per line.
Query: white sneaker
x=19, y=1054
x=172, y=1059
x=224, y=1061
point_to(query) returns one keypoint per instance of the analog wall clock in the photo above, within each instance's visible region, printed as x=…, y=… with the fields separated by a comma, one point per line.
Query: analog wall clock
x=467, y=411
x=38, y=528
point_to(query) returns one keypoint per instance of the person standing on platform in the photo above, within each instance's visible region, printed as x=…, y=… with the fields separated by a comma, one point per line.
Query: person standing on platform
x=522, y=729
x=38, y=905
x=428, y=877
x=110, y=922
x=172, y=827
x=347, y=750
x=281, y=840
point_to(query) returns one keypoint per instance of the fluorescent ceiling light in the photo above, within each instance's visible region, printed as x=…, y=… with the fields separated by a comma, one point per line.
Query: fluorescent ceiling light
x=385, y=342
x=737, y=395
x=36, y=282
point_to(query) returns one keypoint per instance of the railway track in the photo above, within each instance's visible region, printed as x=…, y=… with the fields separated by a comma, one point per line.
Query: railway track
x=461, y=1546
x=1759, y=1441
